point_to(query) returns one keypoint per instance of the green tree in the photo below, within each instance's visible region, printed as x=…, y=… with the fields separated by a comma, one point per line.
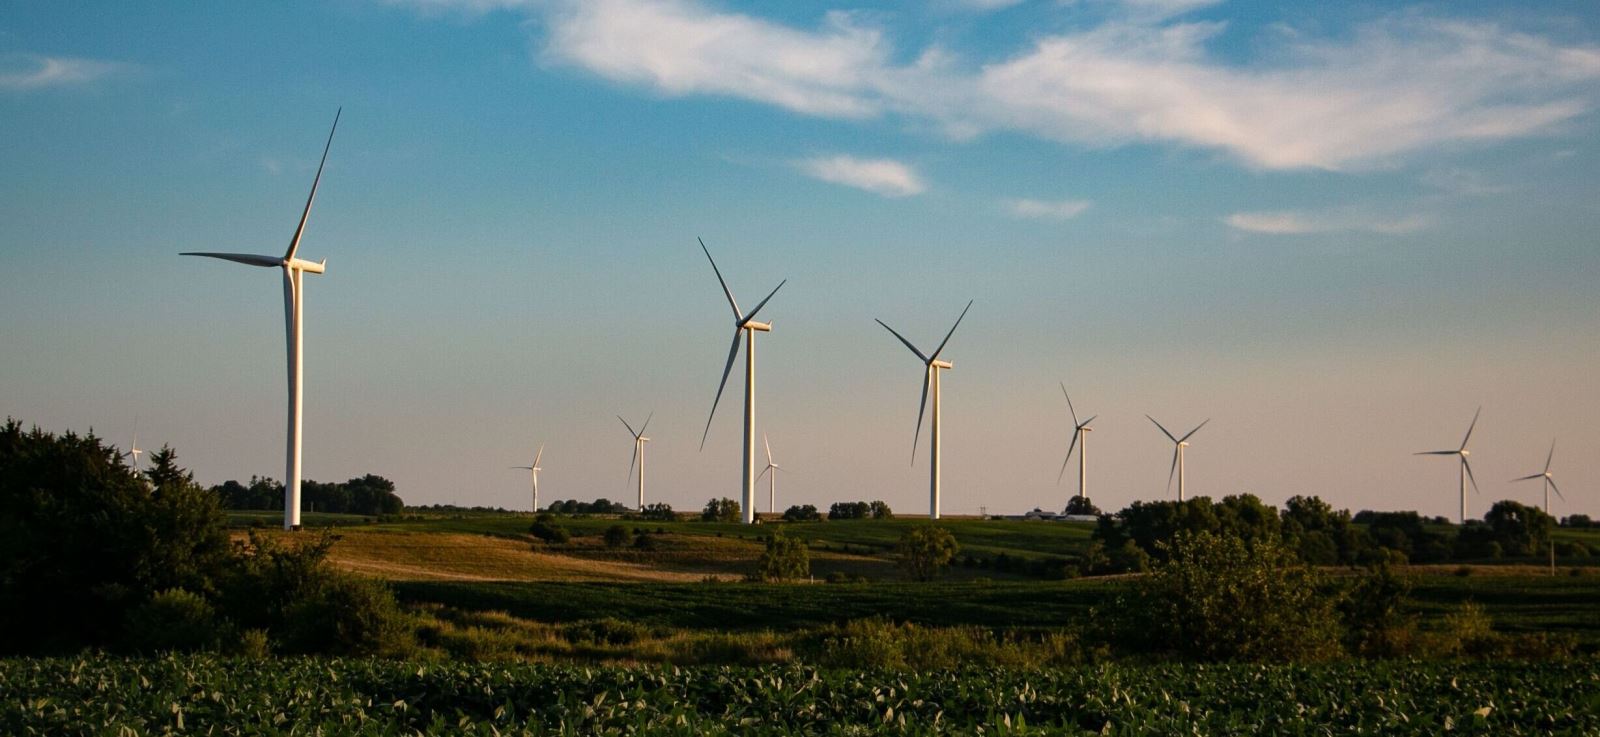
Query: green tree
x=925, y=550
x=720, y=510
x=801, y=513
x=879, y=509
x=1218, y=597
x=784, y=559
x=617, y=536
x=658, y=512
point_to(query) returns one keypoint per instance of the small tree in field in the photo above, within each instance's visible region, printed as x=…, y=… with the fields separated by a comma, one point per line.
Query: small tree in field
x=924, y=551
x=1217, y=597
x=618, y=536
x=785, y=559
x=720, y=510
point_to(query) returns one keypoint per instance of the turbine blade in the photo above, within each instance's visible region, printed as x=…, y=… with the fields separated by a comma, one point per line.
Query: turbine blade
x=646, y=425
x=927, y=373
x=1529, y=478
x=1547, y=459
x=1070, y=408
x=1090, y=420
x=1163, y=430
x=940, y=349
x=1470, y=427
x=1438, y=453
x=1468, y=465
x=1068, y=459
x=523, y=468
x=1174, y=470
x=763, y=303
x=630, y=427
x=537, y=456
x=633, y=459
x=1195, y=430
x=1556, y=488
x=733, y=353
x=294, y=244
x=737, y=315
x=768, y=443
x=902, y=338
x=243, y=258
x=763, y=472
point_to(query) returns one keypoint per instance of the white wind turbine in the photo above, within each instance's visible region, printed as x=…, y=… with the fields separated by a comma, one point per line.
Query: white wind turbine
x=638, y=453
x=1178, y=444
x=1466, y=468
x=772, y=482
x=931, y=367
x=1080, y=440
x=134, y=452
x=293, y=307
x=534, y=470
x=1548, y=478
x=744, y=326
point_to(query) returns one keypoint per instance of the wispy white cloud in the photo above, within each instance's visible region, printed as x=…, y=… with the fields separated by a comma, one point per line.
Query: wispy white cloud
x=885, y=177
x=1303, y=222
x=1047, y=210
x=21, y=72
x=1384, y=90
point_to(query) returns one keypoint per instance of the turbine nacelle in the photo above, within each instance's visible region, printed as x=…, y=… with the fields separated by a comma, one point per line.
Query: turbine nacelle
x=764, y=327
x=938, y=364
x=315, y=267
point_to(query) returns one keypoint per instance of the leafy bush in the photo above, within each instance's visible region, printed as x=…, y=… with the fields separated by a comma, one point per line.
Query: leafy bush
x=174, y=620
x=924, y=551
x=720, y=510
x=550, y=533
x=784, y=559
x=617, y=536
x=341, y=614
x=801, y=513
x=1217, y=597
x=658, y=512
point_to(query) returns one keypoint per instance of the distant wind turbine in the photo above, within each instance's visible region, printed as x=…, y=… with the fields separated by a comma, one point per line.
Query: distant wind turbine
x=1548, y=478
x=638, y=453
x=293, y=302
x=134, y=452
x=1178, y=444
x=1080, y=441
x=534, y=470
x=744, y=326
x=931, y=367
x=772, y=482
x=1466, y=468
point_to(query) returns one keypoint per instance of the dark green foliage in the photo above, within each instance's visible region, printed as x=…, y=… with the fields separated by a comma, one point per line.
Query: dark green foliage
x=720, y=510
x=1219, y=598
x=368, y=495
x=210, y=695
x=1518, y=529
x=658, y=512
x=341, y=614
x=83, y=540
x=801, y=513
x=881, y=510
x=617, y=536
x=1375, y=620
x=598, y=506
x=860, y=510
x=1579, y=521
x=175, y=620
x=925, y=550
x=1081, y=505
x=1321, y=535
x=550, y=533
x=1151, y=524
x=784, y=559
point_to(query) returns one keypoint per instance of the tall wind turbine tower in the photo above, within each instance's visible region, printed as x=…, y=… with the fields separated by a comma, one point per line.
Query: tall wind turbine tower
x=294, y=268
x=930, y=375
x=772, y=482
x=134, y=452
x=1178, y=444
x=744, y=326
x=638, y=453
x=1080, y=440
x=1466, y=468
x=535, y=469
x=1548, y=478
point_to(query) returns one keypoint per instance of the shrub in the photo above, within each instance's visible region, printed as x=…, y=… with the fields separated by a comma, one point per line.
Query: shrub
x=801, y=513
x=644, y=542
x=1375, y=622
x=550, y=533
x=617, y=536
x=785, y=558
x=341, y=614
x=658, y=512
x=1218, y=598
x=607, y=631
x=924, y=551
x=720, y=510
x=174, y=620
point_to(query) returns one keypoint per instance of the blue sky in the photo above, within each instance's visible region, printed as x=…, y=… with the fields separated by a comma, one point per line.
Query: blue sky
x=1334, y=228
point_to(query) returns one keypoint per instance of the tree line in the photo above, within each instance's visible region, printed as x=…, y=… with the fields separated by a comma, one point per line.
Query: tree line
x=370, y=495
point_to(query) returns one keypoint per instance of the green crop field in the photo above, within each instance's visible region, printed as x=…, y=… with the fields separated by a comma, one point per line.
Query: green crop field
x=207, y=695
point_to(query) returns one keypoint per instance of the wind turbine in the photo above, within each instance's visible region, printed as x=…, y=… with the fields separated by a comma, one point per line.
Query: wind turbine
x=534, y=469
x=1081, y=442
x=1466, y=468
x=1548, y=478
x=743, y=326
x=1178, y=444
x=930, y=375
x=134, y=452
x=293, y=307
x=772, y=483
x=638, y=453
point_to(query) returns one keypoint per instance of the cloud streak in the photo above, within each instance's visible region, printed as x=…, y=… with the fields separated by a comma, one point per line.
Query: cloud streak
x=1300, y=222
x=1047, y=210
x=1390, y=88
x=885, y=177
x=24, y=72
